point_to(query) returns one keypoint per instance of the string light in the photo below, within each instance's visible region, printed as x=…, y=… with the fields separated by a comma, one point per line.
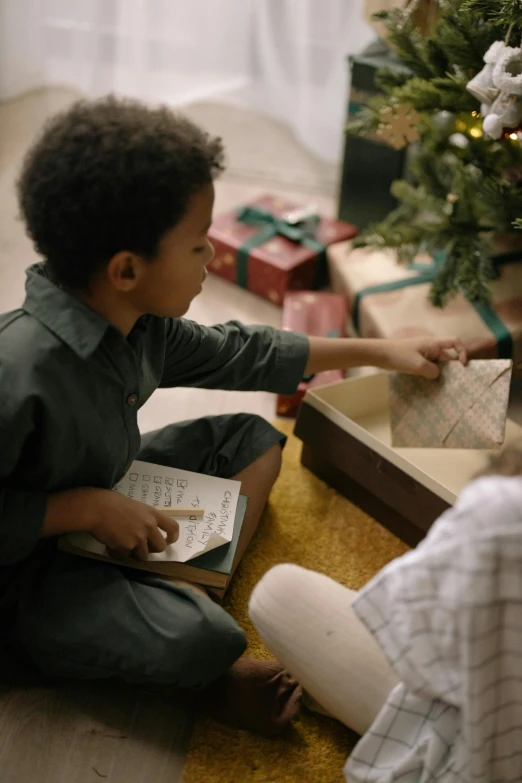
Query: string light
x=475, y=132
x=513, y=136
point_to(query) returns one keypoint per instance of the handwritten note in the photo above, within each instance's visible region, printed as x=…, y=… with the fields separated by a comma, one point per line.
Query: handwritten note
x=164, y=489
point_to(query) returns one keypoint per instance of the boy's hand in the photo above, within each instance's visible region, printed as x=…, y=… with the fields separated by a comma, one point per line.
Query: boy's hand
x=418, y=355
x=127, y=527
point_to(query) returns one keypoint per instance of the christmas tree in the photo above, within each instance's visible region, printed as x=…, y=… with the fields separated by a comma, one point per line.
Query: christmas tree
x=464, y=194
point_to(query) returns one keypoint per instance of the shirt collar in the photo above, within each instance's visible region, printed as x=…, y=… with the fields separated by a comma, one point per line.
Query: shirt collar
x=74, y=323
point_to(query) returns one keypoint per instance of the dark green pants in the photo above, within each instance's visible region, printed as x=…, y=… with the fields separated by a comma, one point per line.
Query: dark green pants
x=80, y=618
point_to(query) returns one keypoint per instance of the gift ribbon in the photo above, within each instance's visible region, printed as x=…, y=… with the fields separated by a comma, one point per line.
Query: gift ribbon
x=426, y=274
x=270, y=226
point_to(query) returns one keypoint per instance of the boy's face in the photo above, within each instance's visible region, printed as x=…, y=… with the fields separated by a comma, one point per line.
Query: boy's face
x=167, y=285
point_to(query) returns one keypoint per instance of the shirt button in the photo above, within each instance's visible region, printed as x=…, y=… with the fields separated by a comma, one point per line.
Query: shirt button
x=132, y=399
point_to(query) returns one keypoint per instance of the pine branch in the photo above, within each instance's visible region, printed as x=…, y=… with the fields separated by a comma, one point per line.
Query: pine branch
x=465, y=41
x=437, y=57
x=500, y=15
x=387, y=80
x=439, y=94
x=466, y=187
x=473, y=268
x=422, y=94
x=406, y=41
x=444, y=285
x=366, y=120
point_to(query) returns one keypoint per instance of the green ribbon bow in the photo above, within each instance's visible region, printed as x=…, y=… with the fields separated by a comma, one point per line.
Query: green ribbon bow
x=270, y=226
x=427, y=273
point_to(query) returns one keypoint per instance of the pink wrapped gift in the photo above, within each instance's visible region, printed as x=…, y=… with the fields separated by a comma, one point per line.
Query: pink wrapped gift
x=317, y=314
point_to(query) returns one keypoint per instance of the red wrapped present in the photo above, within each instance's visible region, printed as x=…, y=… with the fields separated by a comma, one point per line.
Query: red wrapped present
x=317, y=315
x=273, y=246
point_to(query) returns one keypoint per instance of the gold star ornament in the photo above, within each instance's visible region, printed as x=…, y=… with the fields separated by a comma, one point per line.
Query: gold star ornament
x=399, y=125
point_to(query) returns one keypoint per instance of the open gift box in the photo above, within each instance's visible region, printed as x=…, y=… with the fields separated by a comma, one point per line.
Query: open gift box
x=346, y=434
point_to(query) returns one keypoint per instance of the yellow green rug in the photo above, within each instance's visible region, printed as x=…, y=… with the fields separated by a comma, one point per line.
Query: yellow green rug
x=310, y=524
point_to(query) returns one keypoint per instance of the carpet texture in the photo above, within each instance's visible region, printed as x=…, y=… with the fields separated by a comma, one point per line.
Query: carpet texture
x=310, y=524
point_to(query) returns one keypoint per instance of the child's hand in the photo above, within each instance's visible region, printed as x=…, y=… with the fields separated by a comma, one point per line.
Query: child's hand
x=418, y=355
x=129, y=528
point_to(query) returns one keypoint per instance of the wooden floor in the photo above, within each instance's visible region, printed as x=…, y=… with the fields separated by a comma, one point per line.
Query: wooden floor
x=85, y=734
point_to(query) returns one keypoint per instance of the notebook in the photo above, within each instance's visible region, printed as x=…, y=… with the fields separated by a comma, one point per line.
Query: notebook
x=207, y=543
x=211, y=569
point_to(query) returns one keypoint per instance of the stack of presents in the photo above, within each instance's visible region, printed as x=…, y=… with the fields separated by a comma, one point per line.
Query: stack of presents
x=284, y=253
x=277, y=250
x=306, y=264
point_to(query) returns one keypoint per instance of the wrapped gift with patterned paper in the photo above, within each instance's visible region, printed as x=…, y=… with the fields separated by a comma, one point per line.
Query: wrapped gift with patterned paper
x=273, y=246
x=317, y=314
x=387, y=299
x=464, y=408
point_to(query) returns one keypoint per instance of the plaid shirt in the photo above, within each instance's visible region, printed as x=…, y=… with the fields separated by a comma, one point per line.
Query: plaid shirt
x=448, y=617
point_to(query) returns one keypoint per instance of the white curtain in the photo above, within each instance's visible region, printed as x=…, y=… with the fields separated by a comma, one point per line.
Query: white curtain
x=299, y=69
x=286, y=57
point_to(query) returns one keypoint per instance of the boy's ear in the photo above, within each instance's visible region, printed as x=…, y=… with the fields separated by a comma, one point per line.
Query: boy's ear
x=124, y=271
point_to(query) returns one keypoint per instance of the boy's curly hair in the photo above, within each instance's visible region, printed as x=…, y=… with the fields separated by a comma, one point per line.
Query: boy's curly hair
x=111, y=175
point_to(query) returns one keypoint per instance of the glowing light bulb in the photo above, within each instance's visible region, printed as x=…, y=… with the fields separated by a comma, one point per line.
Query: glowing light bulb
x=475, y=132
x=513, y=136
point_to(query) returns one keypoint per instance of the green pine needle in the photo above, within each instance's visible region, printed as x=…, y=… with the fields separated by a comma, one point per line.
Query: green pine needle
x=466, y=187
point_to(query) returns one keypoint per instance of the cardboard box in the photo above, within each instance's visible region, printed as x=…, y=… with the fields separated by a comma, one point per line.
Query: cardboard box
x=317, y=314
x=275, y=264
x=388, y=299
x=346, y=434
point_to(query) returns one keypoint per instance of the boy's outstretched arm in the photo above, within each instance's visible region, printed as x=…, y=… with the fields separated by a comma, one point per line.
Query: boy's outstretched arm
x=416, y=356
x=260, y=358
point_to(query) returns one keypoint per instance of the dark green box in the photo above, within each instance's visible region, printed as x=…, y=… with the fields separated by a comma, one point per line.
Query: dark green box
x=369, y=166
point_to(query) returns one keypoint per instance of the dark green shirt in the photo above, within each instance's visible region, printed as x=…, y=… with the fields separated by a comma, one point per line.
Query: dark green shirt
x=71, y=386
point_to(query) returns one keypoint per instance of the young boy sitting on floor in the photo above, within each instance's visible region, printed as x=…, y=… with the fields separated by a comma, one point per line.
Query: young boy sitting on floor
x=118, y=199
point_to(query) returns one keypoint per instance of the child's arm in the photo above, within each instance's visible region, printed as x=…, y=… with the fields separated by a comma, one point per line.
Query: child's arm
x=259, y=358
x=125, y=526
x=233, y=356
x=416, y=356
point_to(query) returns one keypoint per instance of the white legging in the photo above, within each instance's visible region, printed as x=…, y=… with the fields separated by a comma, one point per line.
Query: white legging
x=306, y=620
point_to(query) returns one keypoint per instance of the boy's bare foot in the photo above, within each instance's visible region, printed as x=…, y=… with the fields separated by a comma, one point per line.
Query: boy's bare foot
x=255, y=695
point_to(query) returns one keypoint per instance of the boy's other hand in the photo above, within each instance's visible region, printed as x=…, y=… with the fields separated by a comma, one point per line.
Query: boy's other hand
x=129, y=528
x=419, y=355
x=126, y=527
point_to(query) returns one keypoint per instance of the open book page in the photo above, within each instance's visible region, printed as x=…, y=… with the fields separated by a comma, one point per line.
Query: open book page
x=168, y=488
